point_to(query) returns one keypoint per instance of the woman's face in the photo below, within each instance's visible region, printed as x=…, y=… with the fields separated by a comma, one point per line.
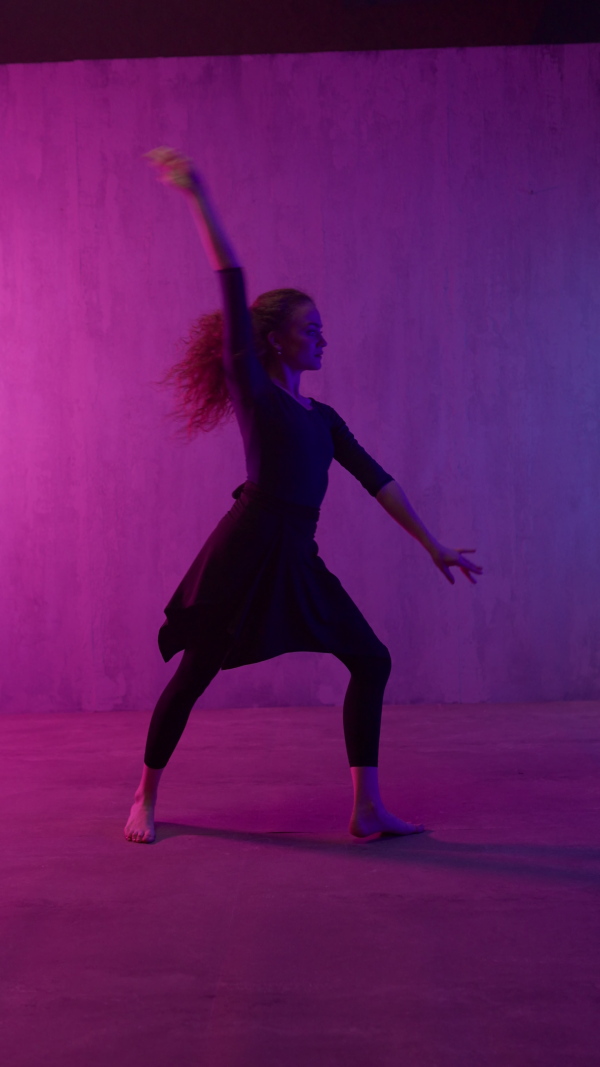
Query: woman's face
x=300, y=342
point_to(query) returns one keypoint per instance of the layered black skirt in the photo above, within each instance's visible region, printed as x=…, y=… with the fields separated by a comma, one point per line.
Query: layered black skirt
x=260, y=579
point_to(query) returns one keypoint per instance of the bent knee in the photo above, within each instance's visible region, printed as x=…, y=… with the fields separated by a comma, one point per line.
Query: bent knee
x=374, y=666
x=384, y=661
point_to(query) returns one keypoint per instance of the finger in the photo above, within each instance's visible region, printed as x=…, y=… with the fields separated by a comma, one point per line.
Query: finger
x=162, y=154
x=447, y=574
x=462, y=550
x=159, y=157
x=466, y=563
x=171, y=166
x=468, y=576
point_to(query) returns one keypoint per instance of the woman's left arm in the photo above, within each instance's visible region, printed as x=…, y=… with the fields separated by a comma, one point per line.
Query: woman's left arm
x=394, y=500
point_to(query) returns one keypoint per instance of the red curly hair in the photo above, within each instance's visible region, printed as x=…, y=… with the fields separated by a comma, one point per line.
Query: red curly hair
x=202, y=399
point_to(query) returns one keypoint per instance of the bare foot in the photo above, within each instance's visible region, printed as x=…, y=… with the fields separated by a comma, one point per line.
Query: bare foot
x=140, y=824
x=370, y=820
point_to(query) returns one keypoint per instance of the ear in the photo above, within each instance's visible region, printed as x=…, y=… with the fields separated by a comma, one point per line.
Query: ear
x=272, y=339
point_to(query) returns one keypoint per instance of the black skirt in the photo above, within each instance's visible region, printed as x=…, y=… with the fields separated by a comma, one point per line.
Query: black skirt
x=259, y=577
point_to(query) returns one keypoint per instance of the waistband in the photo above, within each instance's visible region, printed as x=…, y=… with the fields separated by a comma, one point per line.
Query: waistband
x=249, y=493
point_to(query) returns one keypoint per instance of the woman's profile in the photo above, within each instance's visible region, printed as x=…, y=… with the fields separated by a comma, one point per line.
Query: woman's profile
x=258, y=587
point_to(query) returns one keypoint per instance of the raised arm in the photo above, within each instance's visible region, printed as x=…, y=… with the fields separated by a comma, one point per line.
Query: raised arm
x=245, y=375
x=175, y=169
x=393, y=498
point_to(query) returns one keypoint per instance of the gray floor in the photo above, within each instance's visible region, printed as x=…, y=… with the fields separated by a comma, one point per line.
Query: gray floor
x=257, y=932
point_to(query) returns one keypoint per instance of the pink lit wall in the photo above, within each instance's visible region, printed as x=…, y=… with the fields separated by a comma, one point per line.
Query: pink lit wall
x=444, y=209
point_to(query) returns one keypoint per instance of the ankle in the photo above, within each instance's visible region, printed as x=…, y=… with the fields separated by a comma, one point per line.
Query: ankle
x=368, y=804
x=365, y=781
x=148, y=788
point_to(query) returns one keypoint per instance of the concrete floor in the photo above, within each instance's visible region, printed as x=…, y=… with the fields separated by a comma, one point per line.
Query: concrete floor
x=257, y=932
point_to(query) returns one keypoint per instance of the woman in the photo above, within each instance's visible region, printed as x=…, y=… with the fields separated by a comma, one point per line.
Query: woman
x=258, y=587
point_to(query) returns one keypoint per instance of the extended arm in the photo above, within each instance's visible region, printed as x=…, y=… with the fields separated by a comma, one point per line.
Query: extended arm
x=246, y=376
x=175, y=169
x=393, y=498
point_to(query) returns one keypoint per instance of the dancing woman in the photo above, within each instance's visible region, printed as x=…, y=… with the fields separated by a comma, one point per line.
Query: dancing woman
x=258, y=588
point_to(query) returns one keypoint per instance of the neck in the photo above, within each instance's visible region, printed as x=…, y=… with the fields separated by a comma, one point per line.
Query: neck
x=286, y=379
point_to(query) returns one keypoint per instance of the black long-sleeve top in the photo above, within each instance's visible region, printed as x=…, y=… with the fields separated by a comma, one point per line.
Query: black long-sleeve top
x=288, y=448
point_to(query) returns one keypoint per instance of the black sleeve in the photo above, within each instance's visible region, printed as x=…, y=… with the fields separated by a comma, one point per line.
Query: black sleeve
x=246, y=377
x=353, y=457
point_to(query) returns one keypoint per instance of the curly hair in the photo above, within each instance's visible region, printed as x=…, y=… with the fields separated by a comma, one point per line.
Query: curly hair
x=202, y=400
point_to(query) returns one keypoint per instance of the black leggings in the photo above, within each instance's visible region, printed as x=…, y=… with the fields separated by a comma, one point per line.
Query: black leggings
x=362, y=704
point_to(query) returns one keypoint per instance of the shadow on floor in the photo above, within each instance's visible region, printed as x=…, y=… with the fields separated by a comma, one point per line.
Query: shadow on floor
x=544, y=862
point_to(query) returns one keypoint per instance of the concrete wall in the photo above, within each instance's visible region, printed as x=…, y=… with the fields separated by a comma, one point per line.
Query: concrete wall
x=444, y=209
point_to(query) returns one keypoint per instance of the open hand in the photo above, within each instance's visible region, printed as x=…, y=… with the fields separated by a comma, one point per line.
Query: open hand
x=173, y=168
x=444, y=558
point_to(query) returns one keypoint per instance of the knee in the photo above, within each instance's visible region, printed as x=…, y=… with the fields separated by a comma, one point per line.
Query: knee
x=384, y=663
x=375, y=667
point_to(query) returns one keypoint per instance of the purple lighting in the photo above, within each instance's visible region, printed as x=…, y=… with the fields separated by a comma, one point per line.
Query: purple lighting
x=442, y=208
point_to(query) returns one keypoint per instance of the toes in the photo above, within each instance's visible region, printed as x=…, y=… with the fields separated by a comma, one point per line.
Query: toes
x=139, y=836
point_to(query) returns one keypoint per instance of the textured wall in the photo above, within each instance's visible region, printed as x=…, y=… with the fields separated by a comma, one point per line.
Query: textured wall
x=444, y=210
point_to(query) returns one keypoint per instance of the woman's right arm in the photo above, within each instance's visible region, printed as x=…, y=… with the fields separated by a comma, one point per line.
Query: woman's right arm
x=175, y=169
